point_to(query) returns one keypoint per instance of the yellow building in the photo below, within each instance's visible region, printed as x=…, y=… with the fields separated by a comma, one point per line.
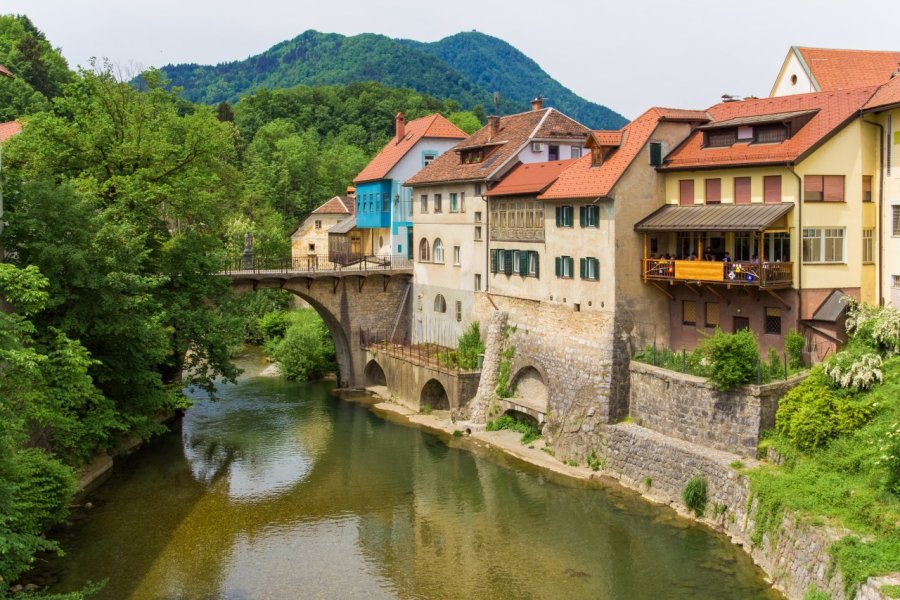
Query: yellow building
x=309, y=241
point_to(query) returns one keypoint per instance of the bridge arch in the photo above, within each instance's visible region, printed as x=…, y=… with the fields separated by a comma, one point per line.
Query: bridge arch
x=434, y=396
x=375, y=374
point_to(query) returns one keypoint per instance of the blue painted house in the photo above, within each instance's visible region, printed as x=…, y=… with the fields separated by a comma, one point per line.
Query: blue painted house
x=383, y=205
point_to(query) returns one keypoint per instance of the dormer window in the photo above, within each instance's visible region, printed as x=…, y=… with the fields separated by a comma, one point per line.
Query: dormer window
x=596, y=156
x=721, y=138
x=770, y=134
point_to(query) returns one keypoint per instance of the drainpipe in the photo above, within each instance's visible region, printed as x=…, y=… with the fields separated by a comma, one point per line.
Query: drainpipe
x=799, y=240
x=487, y=240
x=880, y=227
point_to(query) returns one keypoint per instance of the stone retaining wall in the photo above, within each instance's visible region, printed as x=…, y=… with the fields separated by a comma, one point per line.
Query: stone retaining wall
x=688, y=408
x=406, y=378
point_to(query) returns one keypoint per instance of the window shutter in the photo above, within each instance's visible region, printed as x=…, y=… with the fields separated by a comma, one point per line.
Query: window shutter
x=686, y=192
x=742, y=190
x=582, y=215
x=812, y=184
x=559, y=222
x=582, y=267
x=508, y=262
x=655, y=154
x=713, y=191
x=537, y=263
x=494, y=261
x=772, y=189
x=833, y=188
x=523, y=263
x=558, y=261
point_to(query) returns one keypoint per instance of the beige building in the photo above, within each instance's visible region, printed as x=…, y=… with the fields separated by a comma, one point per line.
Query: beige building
x=450, y=212
x=309, y=241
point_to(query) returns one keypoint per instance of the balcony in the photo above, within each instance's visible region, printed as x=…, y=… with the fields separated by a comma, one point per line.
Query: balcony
x=765, y=275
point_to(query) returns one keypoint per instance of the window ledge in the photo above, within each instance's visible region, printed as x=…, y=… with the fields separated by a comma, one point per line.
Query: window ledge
x=823, y=263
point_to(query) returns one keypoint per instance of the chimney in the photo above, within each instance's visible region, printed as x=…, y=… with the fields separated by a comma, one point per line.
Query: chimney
x=537, y=103
x=493, y=127
x=351, y=192
x=400, y=125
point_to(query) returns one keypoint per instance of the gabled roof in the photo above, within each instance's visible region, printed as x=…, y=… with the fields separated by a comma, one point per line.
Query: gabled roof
x=530, y=178
x=834, y=109
x=887, y=95
x=344, y=226
x=9, y=129
x=433, y=126
x=336, y=206
x=834, y=69
x=512, y=133
x=605, y=138
x=582, y=180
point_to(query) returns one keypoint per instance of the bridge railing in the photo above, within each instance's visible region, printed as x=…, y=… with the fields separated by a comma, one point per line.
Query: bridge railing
x=316, y=264
x=426, y=354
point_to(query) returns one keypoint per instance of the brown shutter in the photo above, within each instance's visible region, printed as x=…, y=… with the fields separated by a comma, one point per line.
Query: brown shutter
x=686, y=192
x=812, y=187
x=834, y=188
x=867, y=188
x=772, y=189
x=742, y=190
x=713, y=191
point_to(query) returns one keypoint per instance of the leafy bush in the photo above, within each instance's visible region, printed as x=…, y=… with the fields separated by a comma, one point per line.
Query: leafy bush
x=250, y=308
x=774, y=366
x=44, y=488
x=875, y=326
x=694, y=495
x=274, y=325
x=794, y=343
x=889, y=458
x=503, y=389
x=470, y=346
x=813, y=413
x=529, y=430
x=855, y=369
x=307, y=351
x=732, y=358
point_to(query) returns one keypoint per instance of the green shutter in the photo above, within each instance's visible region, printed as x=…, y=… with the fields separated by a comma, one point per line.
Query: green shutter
x=597, y=267
x=558, y=266
x=494, y=261
x=523, y=263
x=508, y=262
x=559, y=222
x=655, y=154
x=537, y=263
x=582, y=265
x=582, y=211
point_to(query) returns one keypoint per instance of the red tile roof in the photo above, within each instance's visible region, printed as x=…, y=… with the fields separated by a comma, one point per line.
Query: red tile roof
x=336, y=206
x=530, y=178
x=887, y=95
x=9, y=129
x=607, y=138
x=582, y=180
x=513, y=132
x=432, y=126
x=835, y=69
x=833, y=109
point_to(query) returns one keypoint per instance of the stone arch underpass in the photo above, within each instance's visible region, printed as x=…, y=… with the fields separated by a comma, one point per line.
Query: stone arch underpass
x=357, y=308
x=532, y=394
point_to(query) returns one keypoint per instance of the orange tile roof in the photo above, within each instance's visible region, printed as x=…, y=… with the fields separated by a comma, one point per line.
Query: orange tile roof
x=607, y=138
x=835, y=69
x=513, y=132
x=336, y=206
x=887, y=95
x=9, y=129
x=530, y=178
x=582, y=180
x=833, y=109
x=432, y=126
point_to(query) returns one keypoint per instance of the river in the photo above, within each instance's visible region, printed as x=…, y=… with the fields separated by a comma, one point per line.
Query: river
x=284, y=490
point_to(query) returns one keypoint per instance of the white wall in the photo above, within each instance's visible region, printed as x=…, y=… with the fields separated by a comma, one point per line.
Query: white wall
x=793, y=68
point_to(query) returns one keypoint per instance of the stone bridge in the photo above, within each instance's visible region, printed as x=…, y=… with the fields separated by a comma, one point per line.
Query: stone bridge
x=358, y=303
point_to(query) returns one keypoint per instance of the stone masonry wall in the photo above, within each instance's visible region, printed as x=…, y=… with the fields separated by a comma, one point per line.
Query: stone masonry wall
x=405, y=378
x=688, y=408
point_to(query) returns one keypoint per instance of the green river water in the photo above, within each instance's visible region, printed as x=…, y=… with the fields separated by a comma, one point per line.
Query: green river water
x=284, y=490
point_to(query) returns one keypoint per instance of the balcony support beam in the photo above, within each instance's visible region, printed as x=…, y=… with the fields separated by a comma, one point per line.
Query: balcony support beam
x=713, y=291
x=663, y=290
x=778, y=298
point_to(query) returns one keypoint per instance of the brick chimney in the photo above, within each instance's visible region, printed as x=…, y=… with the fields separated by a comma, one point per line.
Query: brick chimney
x=400, y=125
x=537, y=103
x=493, y=127
x=351, y=192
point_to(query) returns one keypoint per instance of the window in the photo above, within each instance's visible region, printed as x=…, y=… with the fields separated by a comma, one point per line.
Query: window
x=866, y=188
x=713, y=191
x=773, y=320
x=456, y=255
x=462, y=202
x=438, y=251
x=437, y=203
x=769, y=134
x=516, y=261
x=688, y=312
x=656, y=153
x=868, y=249
x=686, y=192
x=454, y=203
x=823, y=188
x=385, y=203
x=458, y=311
x=742, y=190
x=712, y=314
x=564, y=266
x=589, y=215
x=478, y=216
x=477, y=189
x=895, y=220
x=772, y=189
x=318, y=224
x=312, y=248
x=576, y=151
x=564, y=216
x=720, y=138
x=590, y=268
x=498, y=262
x=533, y=264
x=440, y=304
x=478, y=233
x=552, y=152
x=469, y=157
x=423, y=203
x=742, y=246
x=428, y=158
x=895, y=281
x=424, y=251
x=477, y=282
x=824, y=245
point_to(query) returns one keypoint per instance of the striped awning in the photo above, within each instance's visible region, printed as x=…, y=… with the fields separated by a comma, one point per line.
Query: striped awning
x=714, y=217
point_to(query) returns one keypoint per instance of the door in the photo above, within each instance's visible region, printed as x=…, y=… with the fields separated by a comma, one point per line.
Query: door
x=741, y=323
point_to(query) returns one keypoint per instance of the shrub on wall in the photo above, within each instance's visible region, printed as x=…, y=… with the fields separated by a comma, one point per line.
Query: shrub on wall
x=732, y=358
x=695, y=495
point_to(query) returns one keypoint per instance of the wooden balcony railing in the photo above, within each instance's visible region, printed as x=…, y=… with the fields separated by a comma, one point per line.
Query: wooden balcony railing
x=744, y=273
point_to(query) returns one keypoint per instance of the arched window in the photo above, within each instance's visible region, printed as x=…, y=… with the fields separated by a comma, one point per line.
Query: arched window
x=438, y=251
x=424, y=254
x=440, y=305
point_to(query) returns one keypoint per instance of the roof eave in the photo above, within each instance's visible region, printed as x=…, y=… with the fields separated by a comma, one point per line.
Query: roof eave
x=778, y=163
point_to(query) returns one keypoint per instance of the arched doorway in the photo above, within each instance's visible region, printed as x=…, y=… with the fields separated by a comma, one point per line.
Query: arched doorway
x=375, y=374
x=434, y=396
x=531, y=389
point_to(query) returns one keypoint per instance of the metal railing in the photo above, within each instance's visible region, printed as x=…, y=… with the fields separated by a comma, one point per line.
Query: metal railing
x=752, y=273
x=317, y=264
x=425, y=354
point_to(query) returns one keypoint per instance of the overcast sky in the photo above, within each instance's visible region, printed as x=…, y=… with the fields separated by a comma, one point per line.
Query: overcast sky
x=627, y=55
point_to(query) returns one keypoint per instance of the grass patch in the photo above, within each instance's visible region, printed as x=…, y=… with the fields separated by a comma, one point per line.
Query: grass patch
x=529, y=430
x=457, y=433
x=593, y=462
x=891, y=591
x=814, y=593
x=695, y=495
x=737, y=465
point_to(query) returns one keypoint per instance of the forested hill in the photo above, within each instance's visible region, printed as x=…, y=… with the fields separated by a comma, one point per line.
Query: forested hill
x=494, y=64
x=466, y=68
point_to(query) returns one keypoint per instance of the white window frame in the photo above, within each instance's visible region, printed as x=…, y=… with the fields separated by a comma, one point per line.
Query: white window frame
x=457, y=253
x=437, y=252
x=868, y=245
x=819, y=240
